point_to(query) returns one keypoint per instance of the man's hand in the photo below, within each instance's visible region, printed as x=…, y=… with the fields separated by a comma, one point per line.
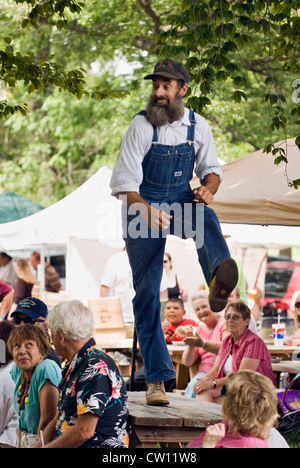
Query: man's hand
x=157, y=219
x=203, y=194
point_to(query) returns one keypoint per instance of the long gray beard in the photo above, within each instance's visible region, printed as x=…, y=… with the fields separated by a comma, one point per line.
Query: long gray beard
x=159, y=116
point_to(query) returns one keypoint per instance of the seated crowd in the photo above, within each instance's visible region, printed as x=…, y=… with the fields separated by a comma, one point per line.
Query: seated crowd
x=80, y=404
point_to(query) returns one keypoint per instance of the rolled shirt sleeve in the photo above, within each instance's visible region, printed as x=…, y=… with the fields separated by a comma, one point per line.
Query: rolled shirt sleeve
x=206, y=154
x=128, y=173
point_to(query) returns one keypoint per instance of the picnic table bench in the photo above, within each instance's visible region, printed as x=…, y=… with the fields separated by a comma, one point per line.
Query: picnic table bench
x=179, y=423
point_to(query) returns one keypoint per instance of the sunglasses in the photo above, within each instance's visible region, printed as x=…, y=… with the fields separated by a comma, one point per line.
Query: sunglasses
x=235, y=318
x=297, y=305
x=18, y=320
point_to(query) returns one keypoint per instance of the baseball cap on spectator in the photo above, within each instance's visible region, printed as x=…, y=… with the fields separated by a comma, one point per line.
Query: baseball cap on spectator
x=168, y=68
x=32, y=307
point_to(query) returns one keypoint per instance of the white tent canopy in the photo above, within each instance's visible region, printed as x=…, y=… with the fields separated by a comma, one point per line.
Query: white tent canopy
x=87, y=222
x=87, y=213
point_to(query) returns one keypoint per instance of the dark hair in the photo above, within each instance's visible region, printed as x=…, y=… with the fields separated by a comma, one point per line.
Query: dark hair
x=241, y=308
x=5, y=330
x=5, y=255
x=176, y=299
x=180, y=84
x=30, y=332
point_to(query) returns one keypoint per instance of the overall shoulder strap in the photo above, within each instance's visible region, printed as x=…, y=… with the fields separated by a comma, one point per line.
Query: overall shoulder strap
x=191, y=129
x=155, y=136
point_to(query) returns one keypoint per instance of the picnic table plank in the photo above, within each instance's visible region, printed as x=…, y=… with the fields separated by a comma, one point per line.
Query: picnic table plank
x=142, y=414
x=195, y=413
x=182, y=412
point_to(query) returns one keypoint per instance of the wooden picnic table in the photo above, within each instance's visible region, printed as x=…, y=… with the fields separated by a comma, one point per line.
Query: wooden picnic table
x=182, y=372
x=179, y=423
x=286, y=353
x=283, y=350
x=292, y=367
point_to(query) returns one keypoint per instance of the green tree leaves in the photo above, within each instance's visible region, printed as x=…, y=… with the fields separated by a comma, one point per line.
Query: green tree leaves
x=241, y=52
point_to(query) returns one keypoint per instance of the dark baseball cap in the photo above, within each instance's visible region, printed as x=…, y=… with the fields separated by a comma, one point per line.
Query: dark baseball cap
x=32, y=307
x=168, y=68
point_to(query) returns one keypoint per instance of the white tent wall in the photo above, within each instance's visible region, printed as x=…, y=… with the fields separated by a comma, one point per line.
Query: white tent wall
x=254, y=263
x=185, y=263
x=85, y=264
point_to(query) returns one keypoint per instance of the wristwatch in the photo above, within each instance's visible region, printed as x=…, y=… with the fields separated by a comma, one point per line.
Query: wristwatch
x=215, y=383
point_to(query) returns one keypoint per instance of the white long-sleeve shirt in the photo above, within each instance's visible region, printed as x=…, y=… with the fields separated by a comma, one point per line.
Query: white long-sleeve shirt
x=128, y=173
x=8, y=418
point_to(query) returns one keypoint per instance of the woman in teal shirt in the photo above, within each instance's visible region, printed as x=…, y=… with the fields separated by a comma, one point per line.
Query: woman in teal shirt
x=36, y=379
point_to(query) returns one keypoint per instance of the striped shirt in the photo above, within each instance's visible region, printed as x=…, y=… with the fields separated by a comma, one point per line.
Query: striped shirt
x=128, y=173
x=248, y=346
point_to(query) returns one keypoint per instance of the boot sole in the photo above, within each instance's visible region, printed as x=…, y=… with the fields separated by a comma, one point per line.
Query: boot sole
x=226, y=278
x=158, y=403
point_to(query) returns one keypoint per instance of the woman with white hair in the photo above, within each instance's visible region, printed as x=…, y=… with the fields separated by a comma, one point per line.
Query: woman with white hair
x=204, y=346
x=92, y=409
x=294, y=340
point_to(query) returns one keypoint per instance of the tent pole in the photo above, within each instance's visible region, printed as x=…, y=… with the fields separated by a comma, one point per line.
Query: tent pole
x=41, y=271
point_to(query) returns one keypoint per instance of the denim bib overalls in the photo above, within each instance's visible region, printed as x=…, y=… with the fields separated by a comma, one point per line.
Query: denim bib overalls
x=167, y=171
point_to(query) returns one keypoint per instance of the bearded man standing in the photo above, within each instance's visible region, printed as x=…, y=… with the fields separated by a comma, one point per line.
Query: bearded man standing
x=162, y=147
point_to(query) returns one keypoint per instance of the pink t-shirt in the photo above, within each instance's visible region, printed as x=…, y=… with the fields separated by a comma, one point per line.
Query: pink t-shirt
x=208, y=359
x=232, y=441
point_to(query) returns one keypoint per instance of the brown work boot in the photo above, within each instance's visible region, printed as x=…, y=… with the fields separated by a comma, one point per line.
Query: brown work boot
x=156, y=394
x=222, y=284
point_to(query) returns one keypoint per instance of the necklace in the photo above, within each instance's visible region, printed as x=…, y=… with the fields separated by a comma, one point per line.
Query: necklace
x=23, y=393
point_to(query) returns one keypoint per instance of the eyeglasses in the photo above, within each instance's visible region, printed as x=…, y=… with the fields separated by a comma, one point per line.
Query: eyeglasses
x=18, y=320
x=232, y=317
x=297, y=305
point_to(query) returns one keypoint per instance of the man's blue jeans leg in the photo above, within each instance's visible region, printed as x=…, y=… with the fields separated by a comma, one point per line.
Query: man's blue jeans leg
x=214, y=249
x=146, y=260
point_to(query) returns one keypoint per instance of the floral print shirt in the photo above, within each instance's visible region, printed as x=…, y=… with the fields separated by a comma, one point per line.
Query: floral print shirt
x=92, y=383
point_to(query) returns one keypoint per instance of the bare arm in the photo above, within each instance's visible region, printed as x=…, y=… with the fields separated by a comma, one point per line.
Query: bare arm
x=104, y=291
x=48, y=399
x=197, y=341
x=189, y=355
x=208, y=189
x=48, y=432
x=7, y=303
x=77, y=435
x=249, y=364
